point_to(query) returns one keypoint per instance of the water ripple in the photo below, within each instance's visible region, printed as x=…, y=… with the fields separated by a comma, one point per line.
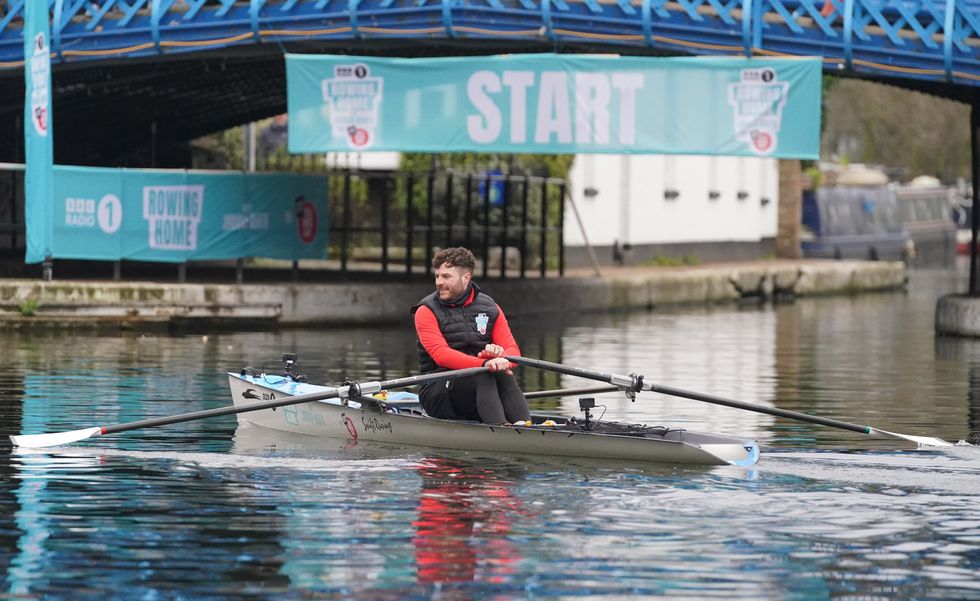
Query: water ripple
x=207, y=510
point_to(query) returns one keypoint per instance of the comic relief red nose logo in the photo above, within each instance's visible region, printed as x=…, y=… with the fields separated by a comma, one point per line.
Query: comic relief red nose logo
x=305, y=219
x=762, y=141
x=41, y=119
x=358, y=136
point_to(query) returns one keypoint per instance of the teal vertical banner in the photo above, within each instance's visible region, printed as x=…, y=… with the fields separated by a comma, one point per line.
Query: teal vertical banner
x=38, y=184
x=556, y=103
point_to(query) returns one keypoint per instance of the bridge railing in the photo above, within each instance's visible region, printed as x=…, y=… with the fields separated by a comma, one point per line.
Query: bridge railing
x=936, y=40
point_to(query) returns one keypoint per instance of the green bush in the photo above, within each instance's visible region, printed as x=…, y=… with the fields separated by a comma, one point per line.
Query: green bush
x=28, y=307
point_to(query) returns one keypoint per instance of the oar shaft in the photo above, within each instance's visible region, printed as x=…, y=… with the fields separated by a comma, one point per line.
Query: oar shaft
x=628, y=381
x=613, y=379
x=803, y=417
x=60, y=438
x=218, y=411
x=547, y=394
x=331, y=393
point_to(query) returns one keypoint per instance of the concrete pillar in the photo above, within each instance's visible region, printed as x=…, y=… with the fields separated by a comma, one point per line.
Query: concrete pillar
x=790, y=209
x=959, y=314
x=974, y=214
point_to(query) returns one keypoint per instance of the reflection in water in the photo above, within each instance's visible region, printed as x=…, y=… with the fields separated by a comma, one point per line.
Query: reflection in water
x=11, y=393
x=954, y=354
x=465, y=518
x=140, y=527
x=973, y=405
x=207, y=510
x=722, y=352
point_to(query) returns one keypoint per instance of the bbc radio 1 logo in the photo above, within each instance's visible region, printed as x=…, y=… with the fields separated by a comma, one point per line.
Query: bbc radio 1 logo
x=86, y=213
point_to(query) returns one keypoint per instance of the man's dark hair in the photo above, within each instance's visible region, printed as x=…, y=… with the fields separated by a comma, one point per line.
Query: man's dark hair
x=455, y=257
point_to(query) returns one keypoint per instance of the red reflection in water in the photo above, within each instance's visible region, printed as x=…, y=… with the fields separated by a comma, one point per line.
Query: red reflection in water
x=465, y=516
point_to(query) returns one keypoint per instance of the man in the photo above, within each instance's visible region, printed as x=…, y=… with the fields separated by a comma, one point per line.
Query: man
x=459, y=326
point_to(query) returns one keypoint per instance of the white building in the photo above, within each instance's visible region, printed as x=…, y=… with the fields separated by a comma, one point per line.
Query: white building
x=670, y=208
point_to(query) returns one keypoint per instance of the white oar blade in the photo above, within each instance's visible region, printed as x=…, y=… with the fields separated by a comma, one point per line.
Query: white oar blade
x=926, y=441
x=39, y=441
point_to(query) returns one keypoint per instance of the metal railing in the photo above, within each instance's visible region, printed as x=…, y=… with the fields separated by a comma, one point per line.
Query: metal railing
x=932, y=40
x=12, y=228
x=512, y=223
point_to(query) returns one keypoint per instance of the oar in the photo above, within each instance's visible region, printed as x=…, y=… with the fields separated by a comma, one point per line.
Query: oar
x=60, y=438
x=637, y=383
x=547, y=394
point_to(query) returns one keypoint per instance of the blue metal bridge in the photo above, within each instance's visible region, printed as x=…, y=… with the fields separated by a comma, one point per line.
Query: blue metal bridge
x=147, y=73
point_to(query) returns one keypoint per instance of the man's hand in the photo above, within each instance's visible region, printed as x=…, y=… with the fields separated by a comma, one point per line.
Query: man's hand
x=498, y=364
x=492, y=351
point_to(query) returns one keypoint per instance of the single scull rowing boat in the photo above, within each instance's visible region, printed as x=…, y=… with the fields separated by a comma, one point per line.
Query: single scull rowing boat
x=365, y=411
x=399, y=419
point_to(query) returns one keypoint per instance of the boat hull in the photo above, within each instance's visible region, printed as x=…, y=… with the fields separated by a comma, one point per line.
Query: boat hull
x=367, y=422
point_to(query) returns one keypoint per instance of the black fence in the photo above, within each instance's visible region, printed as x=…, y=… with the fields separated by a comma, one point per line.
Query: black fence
x=513, y=224
x=12, y=234
x=380, y=222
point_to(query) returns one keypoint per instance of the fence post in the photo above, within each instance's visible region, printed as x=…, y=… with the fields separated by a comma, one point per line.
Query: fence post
x=345, y=232
x=544, y=227
x=15, y=233
x=524, y=224
x=467, y=215
x=503, y=229
x=448, y=200
x=409, y=222
x=561, y=229
x=428, y=228
x=486, y=224
x=385, y=206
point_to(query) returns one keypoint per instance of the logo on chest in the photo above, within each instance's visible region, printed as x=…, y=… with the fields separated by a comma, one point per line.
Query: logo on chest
x=481, y=322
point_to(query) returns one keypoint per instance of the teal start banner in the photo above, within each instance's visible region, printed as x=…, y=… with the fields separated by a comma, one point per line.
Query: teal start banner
x=556, y=103
x=177, y=216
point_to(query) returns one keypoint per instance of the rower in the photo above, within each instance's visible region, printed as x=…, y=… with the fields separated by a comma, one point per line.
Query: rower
x=460, y=326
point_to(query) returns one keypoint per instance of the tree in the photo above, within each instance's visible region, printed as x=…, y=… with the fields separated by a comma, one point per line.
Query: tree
x=909, y=133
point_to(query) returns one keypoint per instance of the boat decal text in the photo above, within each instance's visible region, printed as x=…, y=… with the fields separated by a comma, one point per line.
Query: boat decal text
x=373, y=424
x=313, y=418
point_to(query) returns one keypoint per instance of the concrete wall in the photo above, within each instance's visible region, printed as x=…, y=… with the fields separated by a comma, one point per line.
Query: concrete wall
x=26, y=302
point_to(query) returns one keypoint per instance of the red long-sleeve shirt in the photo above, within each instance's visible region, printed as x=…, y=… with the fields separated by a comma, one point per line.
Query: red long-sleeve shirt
x=427, y=328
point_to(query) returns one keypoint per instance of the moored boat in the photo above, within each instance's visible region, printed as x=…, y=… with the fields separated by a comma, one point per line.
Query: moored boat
x=399, y=419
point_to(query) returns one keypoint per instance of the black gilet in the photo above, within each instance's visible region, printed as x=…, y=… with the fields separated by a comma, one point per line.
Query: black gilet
x=466, y=328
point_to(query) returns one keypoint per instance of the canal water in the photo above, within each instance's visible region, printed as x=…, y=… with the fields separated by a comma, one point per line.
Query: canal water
x=204, y=510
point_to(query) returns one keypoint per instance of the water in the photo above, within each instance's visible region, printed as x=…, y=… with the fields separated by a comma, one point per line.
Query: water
x=204, y=510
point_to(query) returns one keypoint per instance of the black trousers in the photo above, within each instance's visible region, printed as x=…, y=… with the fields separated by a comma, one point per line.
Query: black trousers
x=492, y=398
